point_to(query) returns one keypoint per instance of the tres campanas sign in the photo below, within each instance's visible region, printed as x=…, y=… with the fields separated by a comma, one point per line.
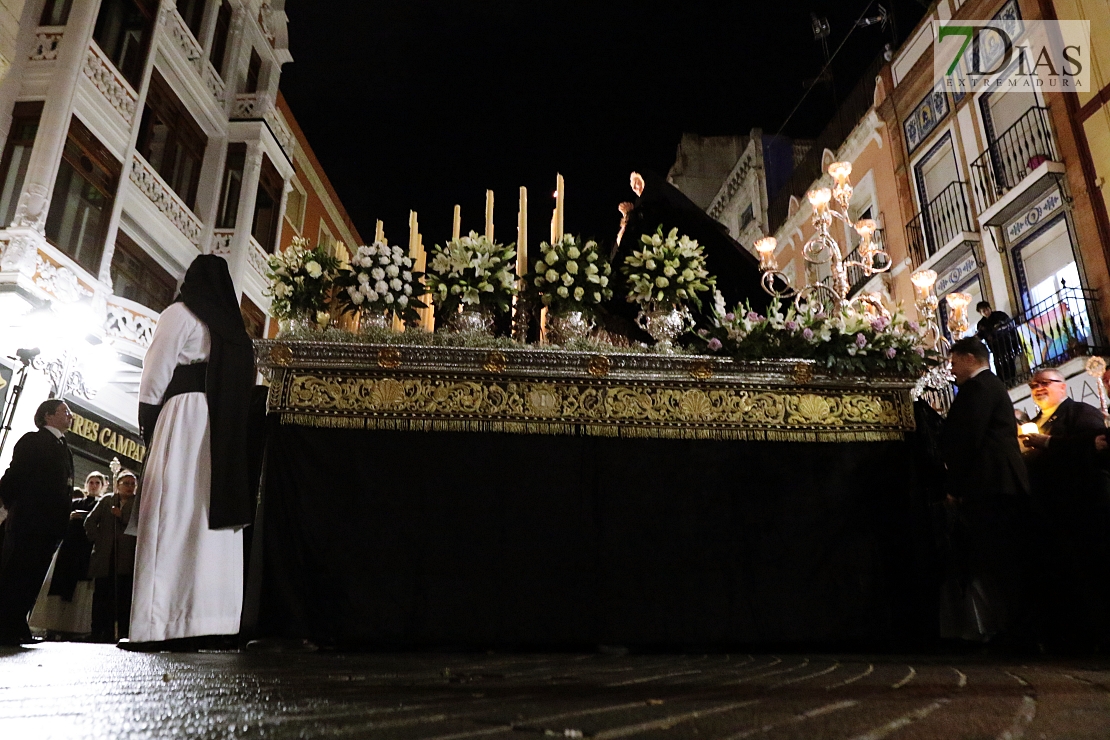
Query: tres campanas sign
x=106, y=439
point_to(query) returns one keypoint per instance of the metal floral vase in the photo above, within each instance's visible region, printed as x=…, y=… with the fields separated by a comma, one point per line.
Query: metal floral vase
x=665, y=323
x=472, y=319
x=370, y=320
x=569, y=325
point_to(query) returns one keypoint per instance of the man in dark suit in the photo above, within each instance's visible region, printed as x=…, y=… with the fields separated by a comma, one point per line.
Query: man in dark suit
x=998, y=332
x=1070, y=491
x=36, y=491
x=989, y=488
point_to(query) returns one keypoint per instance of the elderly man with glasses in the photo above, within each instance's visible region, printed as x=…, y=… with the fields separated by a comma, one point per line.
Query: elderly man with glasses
x=1070, y=492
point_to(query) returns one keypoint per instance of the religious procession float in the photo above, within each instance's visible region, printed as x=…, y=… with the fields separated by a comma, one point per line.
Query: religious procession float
x=484, y=444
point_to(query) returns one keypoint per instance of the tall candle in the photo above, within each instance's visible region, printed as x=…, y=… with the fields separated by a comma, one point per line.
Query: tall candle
x=379, y=232
x=554, y=222
x=414, y=235
x=522, y=234
x=489, y=215
x=560, y=196
x=456, y=224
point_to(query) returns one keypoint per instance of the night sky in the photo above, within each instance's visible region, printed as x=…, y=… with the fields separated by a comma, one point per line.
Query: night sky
x=419, y=104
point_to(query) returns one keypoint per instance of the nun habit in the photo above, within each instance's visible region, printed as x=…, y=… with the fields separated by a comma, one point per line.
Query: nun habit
x=194, y=397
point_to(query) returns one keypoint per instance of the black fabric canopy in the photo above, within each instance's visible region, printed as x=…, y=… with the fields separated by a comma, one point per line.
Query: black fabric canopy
x=408, y=539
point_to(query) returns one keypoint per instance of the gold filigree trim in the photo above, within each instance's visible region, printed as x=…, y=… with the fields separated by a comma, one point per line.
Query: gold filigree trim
x=496, y=362
x=389, y=358
x=570, y=406
x=701, y=370
x=599, y=366
x=280, y=354
x=591, y=430
x=803, y=373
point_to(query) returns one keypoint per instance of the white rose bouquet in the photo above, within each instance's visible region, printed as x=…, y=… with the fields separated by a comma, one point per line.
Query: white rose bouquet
x=668, y=270
x=301, y=280
x=571, y=276
x=381, y=279
x=472, y=271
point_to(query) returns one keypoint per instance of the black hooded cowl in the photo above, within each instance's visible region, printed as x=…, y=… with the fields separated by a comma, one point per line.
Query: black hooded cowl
x=209, y=293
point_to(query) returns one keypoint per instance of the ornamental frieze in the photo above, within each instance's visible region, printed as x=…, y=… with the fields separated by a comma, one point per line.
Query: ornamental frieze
x=552, y=391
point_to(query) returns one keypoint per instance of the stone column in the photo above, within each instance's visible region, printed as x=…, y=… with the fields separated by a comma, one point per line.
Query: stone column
x=244, y=217
x=42, y=167
x=12, y=81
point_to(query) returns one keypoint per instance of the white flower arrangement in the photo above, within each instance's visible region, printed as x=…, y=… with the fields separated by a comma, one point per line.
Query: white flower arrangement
x=571, y=276
x=381, y=279
x=845, y=340
x=667, y=270
x=472, y=271
x=301, y=278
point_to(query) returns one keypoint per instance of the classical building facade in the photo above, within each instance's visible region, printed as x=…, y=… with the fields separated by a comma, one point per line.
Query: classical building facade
x=1001, y=194
x=138, y=134
x=1004, y=196
x=762, y=169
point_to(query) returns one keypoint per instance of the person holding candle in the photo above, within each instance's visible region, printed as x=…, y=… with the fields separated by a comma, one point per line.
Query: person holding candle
x=1070, y=491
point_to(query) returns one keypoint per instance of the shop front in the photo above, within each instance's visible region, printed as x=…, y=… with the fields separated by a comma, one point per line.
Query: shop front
x=96, y=441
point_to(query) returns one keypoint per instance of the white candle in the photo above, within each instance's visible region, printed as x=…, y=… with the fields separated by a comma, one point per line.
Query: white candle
x=456, y=224
x=522, y=234
x=489, y=215
x=560, y=195
x=379, y=232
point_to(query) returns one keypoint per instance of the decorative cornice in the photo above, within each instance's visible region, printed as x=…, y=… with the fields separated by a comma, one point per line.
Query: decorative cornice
x=732, y=183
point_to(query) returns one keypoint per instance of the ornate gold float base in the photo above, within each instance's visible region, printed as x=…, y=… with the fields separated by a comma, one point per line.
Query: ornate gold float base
x=682, y=407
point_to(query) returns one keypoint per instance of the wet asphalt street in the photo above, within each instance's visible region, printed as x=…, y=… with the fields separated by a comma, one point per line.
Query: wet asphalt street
x=62, y=690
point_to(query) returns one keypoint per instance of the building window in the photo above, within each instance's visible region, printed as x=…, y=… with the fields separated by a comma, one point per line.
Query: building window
x=137, y=277
x=219, y=38
x=83, y=194
x=253, y=318
x=231, y=186
x=325, y=239
x=55, y=13
x=266, y=206
x=254, y=71
x=122, y=31
x=13, y=166
x=171, y=141
x=192, y=12
x=295, y=204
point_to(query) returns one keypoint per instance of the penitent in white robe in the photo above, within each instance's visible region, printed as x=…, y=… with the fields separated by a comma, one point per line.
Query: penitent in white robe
x=188, y=578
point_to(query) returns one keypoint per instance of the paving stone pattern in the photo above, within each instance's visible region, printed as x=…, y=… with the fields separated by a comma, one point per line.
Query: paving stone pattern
x=61, y=690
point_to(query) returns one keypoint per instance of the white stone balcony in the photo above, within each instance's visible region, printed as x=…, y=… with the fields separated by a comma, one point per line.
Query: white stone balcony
x=162, y=196
x=129, y=325
x=182, y=40
x=259, y=107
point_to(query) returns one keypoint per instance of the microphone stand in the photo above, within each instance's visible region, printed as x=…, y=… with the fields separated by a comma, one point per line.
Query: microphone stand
x=25, y=356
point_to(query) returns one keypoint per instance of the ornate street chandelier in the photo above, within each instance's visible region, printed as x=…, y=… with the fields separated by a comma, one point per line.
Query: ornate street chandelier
x=822, y=247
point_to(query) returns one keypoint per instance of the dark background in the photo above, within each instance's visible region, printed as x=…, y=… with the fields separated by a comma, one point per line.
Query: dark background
x=422, y=104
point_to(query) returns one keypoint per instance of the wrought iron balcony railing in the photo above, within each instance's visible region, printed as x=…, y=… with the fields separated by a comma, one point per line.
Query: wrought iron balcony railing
x=1059, y=328
x=939, y=221
x=1010, y=157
